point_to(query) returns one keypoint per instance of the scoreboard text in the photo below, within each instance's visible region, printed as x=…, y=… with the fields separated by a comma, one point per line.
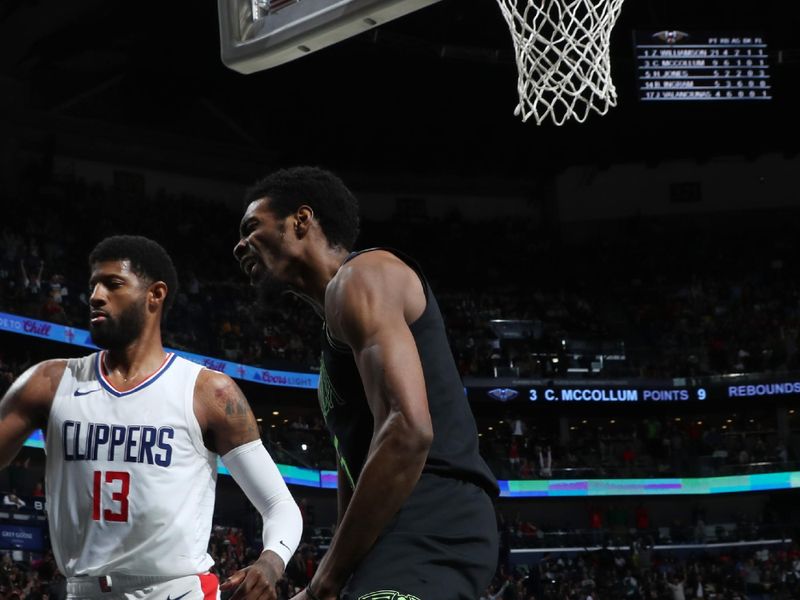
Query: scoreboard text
x=674, y=66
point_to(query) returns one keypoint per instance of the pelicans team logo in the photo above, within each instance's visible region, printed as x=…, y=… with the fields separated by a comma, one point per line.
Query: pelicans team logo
x=326, y=393
x=671, y=37
x=387, y=595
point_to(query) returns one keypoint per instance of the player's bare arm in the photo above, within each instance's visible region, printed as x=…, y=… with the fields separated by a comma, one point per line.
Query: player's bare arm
x=223, y=412
x=369, y=306
x=229, y=428
x=343, y=494
x=26, y=405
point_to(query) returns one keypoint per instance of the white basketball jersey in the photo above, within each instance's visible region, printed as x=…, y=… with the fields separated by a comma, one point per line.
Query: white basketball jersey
x=130, y=484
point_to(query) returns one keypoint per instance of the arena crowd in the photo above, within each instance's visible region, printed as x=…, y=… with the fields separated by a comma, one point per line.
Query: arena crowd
x=673, y=303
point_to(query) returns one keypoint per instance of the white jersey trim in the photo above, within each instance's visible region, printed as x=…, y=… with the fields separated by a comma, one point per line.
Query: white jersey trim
x=109, y=387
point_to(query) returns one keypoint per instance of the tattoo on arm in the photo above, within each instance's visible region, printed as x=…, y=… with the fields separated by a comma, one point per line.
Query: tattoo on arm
x=226, y=417
x=237, y=409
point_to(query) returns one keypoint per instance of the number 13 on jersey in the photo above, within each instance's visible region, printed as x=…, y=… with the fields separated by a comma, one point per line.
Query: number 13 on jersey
x=119, y=483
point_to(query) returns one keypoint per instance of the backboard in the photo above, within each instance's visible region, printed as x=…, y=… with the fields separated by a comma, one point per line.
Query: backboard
x=260, y=34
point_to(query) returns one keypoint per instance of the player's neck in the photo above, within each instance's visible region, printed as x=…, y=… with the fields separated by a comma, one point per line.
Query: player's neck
x=129, y=365
x=322, y=266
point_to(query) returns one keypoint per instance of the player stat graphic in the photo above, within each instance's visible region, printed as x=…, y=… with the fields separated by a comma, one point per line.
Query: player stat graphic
x=701, y=66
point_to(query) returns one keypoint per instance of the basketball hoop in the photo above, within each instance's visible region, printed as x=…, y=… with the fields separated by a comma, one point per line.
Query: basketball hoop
x=562, y=50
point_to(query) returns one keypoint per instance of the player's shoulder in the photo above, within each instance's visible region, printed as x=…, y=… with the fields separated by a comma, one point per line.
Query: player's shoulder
x=212, y=384
x=212, y=390
x=47, y=374
x=374, y=270
x=217, y=397
x=215, y=391
x=375, y=258
x=37, y=386
x=52, y=366
x=373, y=287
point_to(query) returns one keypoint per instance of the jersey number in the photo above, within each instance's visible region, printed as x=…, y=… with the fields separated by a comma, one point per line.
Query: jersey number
x=118, y=496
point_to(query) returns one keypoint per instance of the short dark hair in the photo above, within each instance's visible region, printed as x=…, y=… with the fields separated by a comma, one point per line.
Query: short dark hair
x=335, y=206
x=148, y=259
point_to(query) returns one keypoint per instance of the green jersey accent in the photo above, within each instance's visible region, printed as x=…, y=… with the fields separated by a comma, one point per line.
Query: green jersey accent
x=387, y=595
x=326, y=393
x=343, y=462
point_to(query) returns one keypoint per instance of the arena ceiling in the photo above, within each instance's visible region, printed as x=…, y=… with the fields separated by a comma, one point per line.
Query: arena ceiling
x=432, y=92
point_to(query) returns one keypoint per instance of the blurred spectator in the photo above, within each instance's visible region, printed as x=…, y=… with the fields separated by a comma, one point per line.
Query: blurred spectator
x=668, y=301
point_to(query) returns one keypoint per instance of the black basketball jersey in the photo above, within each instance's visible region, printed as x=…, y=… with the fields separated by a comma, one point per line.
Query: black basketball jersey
x=454, y=452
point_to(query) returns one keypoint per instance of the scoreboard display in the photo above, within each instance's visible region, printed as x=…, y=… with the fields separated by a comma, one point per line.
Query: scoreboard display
x=680, y=66
x=723, y=390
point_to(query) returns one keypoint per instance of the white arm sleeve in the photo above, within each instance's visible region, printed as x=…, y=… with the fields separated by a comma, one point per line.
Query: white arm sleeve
x=256, y=473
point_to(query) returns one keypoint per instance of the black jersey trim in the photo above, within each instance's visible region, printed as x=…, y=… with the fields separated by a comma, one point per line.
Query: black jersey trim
x=413, y=264
x=334, y=343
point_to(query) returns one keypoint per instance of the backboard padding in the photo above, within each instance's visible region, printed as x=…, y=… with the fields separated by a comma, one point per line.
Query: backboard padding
x=252, y=39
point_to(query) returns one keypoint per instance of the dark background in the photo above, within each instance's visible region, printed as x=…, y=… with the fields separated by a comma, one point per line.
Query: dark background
x=386, y=102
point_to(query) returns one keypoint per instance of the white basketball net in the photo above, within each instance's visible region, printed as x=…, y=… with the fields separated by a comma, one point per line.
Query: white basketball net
x=563, y=59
